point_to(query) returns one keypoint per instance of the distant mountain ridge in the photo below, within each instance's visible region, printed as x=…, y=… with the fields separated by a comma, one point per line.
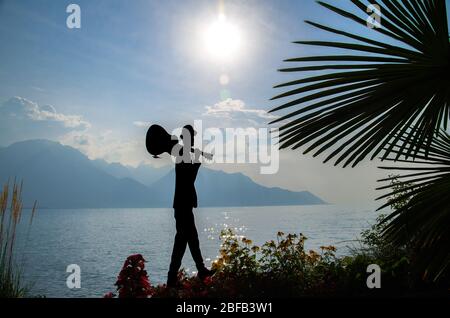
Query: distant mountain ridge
x=145, y=174
x=59, y=176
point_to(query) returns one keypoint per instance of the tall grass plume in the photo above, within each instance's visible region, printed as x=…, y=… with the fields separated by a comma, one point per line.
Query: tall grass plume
x=11, y=205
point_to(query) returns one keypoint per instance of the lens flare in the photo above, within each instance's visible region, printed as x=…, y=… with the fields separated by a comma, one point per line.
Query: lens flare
x=224, y=79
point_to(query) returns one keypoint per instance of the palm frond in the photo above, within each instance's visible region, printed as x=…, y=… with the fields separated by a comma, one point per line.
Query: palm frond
x=425, y=218
x=362, y=102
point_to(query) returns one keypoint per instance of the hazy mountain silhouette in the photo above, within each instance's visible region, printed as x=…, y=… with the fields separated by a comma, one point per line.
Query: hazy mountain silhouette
x=144, y=173
x=62, y=177
x=59, y=176
x=217, y=188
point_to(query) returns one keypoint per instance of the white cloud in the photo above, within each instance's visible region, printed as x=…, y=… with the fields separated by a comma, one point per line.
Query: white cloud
x=141, y=123
x=22, y=119
x=19, y=107
x=236, y=110
x=108, y=146
x=38, y=89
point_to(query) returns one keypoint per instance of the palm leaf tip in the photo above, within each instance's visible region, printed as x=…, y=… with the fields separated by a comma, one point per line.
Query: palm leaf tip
x=404, y=86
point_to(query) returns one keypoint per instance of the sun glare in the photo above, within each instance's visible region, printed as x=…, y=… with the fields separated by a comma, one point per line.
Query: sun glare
x=222, y=39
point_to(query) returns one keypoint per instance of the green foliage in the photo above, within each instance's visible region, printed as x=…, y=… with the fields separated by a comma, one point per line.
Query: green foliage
x=237, y=256
x=394, y=261
x=278, y=268
x=373, y=240
x=401, y=192
x=421, y=201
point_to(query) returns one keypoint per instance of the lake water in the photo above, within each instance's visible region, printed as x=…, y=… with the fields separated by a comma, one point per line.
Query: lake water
x=99, y=240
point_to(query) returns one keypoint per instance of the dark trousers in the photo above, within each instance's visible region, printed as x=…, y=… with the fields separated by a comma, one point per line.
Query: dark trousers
x=186, y=234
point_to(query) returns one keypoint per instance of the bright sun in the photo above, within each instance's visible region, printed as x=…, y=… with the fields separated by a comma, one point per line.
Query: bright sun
x=222, y=39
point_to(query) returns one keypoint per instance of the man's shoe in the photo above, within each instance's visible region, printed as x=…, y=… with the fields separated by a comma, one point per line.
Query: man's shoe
x=204, y=273
x=172, y=280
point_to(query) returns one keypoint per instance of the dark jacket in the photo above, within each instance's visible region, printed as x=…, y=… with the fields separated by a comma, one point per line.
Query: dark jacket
x=185, y=194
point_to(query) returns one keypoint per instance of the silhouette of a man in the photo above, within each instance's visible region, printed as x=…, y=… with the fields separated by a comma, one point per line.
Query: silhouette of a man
x=185, y=199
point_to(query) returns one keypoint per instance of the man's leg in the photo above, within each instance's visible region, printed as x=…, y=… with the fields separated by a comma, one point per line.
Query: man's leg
x=179, y=247
x=194, y=244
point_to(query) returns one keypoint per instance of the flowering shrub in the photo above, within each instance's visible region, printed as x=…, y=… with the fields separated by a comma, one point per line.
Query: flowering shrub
x=278, y=268
x=133, y=281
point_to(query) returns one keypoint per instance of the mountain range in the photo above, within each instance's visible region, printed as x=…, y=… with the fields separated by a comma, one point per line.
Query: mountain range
x=59, y=176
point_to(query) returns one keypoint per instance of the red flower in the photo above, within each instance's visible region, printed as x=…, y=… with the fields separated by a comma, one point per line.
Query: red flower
x=208, y=281
x=133, y=281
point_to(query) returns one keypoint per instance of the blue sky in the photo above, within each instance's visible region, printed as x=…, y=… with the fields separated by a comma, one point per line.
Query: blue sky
x=135, y=59
x=140, y=61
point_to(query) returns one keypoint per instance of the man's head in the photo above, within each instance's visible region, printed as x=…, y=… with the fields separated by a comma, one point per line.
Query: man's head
x=188, y=132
